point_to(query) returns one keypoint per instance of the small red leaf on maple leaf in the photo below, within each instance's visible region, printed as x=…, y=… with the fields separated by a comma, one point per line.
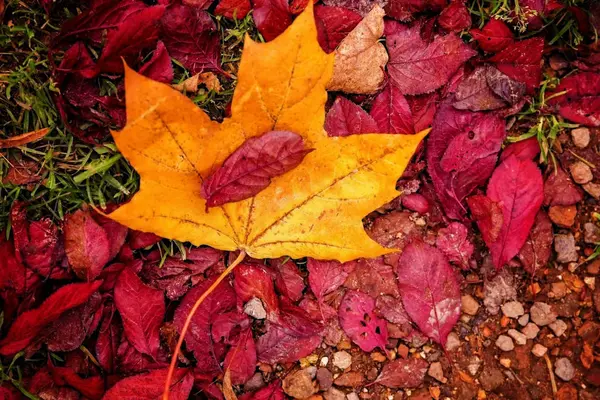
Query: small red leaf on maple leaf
x=525, y=149
x=494, y=36
x=347, y=118
x=271, y=17
x=358, y=320
x=237, y=9
x=30, y=323
x=455, y=17
x=403, y=373
x=391, y=111
x=159, y=67
x=521, y=61
x=241, y=358
x=333, y=25
x=537, y=250
x=581, y=102
x=325, y=276
x=288, y=280
x=141, y=323
x=149, y=386
x=454, y=243
x=430, y=290
x=417, y=66
x=251, y=280
x=250, y=168
x=559, y=189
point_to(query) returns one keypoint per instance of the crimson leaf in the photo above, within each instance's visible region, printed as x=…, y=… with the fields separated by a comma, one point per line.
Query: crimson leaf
x=346, y=118
x=358, y=320
x=494, y=36
x=391, y=111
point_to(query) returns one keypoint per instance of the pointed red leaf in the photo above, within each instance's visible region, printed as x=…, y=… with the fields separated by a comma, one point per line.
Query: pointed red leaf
x=271, y=17
x=430, y=290
x=358, y=320
x=346, y=118
x=92, y=387
x=325, y=276
x=455, y=17
x=525, y=149
x=454, y=243
x=159, y=67
x=423, y=109
x=581, y=103
x=488, y=215
x=241, y=358
x=233, y=8
x=288, y=280
x=537, y=250
x=494, y=36
x=109, y=337
x=559, y=189
x=255, y=281
x=149, y=386
x=391, y=111
x=403, y=373
x=15, y=278
x=333, y=25
x=250, y=168
x=521, y=61
x=474, y=93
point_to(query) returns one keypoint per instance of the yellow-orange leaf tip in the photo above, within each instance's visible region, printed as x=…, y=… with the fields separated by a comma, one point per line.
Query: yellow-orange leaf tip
x=315, y=210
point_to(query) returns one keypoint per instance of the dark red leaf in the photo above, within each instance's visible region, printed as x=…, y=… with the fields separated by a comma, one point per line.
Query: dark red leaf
x=255, y=281
x=521, y=61
x=233, y=8
x=30, y=323
x=360, y=6
x=130, y=361
x=462, y=150
x=581, y=103
x=191, y=37
x=150, y=386
x=159, y=67
x=226, y=327
x=109, y=337
x=504, y=87
x=333, y=24
x=488, y=215
x=474, y=93
x=372, y=276
x=296, y=320
x=494, y=36
x=559, y=189
x=115, y=232
x=403, y=373
x=92, y=387
x=517, y=186
x=140, y=240
x=271, y=17
x=346, y=118
x=455, y=17
x=430, y=290
x=86, y=244
x=279, y=345
x=391, y=111
x=525, y=149
x=455, y=245
x=241, y=358
x=423, y=109
x=404, y=10
x=416, y=202
x=15, y=278
x=250, y=168
x=537, y=250
x=288, y=280
x=417, y=66
x=325, y=276
x=273, y=391
x=358, y=320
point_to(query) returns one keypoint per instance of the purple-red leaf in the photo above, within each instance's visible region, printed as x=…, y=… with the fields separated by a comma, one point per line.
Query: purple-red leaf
x=250, y=168
x=391, y=111
x=518, y=187
x=346, y=118
x=372, y=276
x=559, y=189
x=281, y=345
x=150, y=386
x=404, y=10
x=233, y=8
x=325, y=276
x=30, y=323
x=581, y=102
x=333, y=25
x=455, y=17
x=521, y=61
x=537, y=250
x=474, y=93
x=271, y=17
x=403, y=373
x=253, y=280
x=241, y=358
x=488, y=215
x=494, y=36
x=525, y=149
x=417, y=66
x=358, y=320
x=159, y=67
x=15, y=278
x=142, y=309
x=453, y=242
x=430, y=290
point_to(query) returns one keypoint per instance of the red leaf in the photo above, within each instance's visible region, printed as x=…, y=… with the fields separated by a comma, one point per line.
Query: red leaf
x=462, y=149
x=455, y=17
x=391, y=111
x=159, y=67
x=417, y=66
x=430, y=290
x=227, y=326
x=271, y=17
x=254, y=281
x=559, y=189
x=518, y=186
x=241, y=358
x=296, y=320
x=416, y=202
x=474, y=93
x=404, y=10
x=494, y=36
x=488, y=215
x=537, y=250
x=288, y=280
x=92, y=387
x=455, y=245
x=346, y=118
x=250, y=168
x=372, y=276
x=333, y=25
x=403, y=373
x=271, y=392
x=233, y=8
x=30, y=323
x=140, y=240
x=360, y=6
x=23, y=172
x=141, y=323
x=150, y=386
x=423, y=109
x=525, y=149
x=521, y=61
x=191, y=37
x=358, y=320
x=581, y=103
x=86, y=244
x=13, y=274
x=325, y=276
x=280, y=345
x=109, y=337
x=115, y=232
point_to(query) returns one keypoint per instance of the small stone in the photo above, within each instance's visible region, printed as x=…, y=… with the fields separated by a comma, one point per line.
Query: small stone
x=324, y=361
x=474, y=365
x=542, y=314
x=593, y=268
x=342, y=360
x=590, y=282
x=352, y=396
x=523, y=319
x=558, y=290
x=453, y=342
x=254, y=308
x=470, y=306
x=299, y=384
x=564, y=245
x=505, y=343
x=437, y=372
x=563, y=216
x=519, y=338
x=581, y=137
x=513, y=309
x=531, y=330
x=378, y=357
x=559, y=327
x=325, y=378
x=334, y=394
x=591, y=233
x=350, y=379
x=564, y=369
x=538, y=350
x=505, y=362
x=581, y=172
x=593, y=189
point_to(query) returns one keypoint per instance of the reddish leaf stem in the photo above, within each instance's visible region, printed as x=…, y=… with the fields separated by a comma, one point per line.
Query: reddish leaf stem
x=188, y=320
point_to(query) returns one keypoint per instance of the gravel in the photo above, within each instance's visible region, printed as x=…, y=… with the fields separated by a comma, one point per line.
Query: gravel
x=342, y=360
x=470, y=306
x=564, y=245
x=581, y=137
x=519, y=338
x=559, y=327
x=513, y=309
x=531, y=330
x=523, y=319
x=581, y=172
x=254, y=308
x=505, y=343
x=542, y=314
x=538, y=350
x=564, y=369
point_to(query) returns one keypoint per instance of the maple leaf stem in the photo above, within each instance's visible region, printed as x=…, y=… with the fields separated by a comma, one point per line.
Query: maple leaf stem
x=188, y=320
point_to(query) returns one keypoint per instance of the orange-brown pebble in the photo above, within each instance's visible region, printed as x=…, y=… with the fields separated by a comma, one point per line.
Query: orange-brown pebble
x=402, y=351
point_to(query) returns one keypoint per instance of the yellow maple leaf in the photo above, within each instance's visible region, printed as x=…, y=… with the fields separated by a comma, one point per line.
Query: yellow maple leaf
x=314, y=210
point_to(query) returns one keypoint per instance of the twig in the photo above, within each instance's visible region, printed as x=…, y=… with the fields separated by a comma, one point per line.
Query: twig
x=552, y=379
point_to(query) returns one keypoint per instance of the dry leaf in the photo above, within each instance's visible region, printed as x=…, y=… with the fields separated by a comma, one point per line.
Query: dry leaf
x=190, y=85
x=210, y=80
x=314, y=210
x=360, y=59
x=23, y=139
